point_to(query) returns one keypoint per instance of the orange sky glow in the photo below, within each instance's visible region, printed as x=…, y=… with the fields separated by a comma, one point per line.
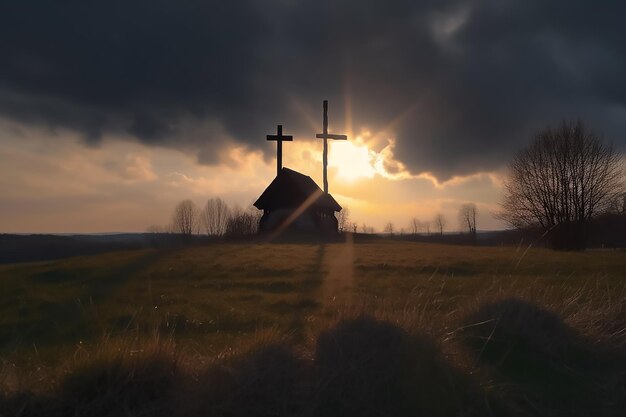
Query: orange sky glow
x=125, y=186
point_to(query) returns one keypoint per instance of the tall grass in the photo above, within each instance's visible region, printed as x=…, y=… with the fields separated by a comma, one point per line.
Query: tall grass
x=408, y=334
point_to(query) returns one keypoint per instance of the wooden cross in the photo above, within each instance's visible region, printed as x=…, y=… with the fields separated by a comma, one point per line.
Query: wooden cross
x=325, y=135
x=279, y=138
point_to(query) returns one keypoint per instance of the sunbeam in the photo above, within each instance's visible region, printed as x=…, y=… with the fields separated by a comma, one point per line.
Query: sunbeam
x=295, y=214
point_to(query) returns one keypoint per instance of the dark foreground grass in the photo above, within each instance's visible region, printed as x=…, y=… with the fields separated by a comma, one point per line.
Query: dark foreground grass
x=360, y=367
x=313, y=330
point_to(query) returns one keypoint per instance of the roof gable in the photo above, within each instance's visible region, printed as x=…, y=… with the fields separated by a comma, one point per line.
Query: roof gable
x=290, y=189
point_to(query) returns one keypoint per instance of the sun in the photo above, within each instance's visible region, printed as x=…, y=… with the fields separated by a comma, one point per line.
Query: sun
x=352, y=160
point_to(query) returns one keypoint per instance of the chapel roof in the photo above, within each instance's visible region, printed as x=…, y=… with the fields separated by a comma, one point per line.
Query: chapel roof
x=290, y=189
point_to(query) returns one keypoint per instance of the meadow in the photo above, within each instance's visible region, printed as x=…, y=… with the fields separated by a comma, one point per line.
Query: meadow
x=383, y=327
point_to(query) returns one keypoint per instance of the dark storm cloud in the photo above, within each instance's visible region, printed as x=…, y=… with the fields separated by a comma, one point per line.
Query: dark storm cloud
x=471, y=79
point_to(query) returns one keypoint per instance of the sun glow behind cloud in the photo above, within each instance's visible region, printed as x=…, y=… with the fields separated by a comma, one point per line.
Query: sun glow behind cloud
x=352, y=160
x=357, y=159
x=125, y=186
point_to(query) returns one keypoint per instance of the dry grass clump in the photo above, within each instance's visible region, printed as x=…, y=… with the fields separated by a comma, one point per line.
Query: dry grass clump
x=368, y=367
x=547, y=366
x=271, y=380
x=510, y=325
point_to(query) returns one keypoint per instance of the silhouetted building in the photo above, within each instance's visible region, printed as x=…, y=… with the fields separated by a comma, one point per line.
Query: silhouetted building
x=294, y=202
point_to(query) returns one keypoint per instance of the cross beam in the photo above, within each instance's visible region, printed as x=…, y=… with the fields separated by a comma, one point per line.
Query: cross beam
x=325, y=135
x=279, y=138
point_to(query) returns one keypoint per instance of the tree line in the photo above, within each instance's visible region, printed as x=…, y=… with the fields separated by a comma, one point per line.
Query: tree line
x=438, y=225
x=467, y=223
x=215, y=219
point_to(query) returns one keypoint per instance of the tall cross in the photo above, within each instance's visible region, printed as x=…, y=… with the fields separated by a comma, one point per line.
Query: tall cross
x=279, y=138
x=325, y=135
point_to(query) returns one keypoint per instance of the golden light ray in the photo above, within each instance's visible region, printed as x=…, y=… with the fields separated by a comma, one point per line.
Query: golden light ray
x=295, y=214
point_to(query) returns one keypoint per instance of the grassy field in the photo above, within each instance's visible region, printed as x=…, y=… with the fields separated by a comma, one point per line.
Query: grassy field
x=354, y=328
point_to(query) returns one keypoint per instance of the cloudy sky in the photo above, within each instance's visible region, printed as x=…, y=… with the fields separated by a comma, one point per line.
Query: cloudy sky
x=113, y=111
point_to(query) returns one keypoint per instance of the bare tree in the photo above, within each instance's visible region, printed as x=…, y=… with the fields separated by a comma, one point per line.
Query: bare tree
x=354, y=227
x=185, y=218
x=389, y=229
x=343, y=218
x=440, y=223
x=467, y=217
x=415, y=226
x=214, y=217
x=560, y=181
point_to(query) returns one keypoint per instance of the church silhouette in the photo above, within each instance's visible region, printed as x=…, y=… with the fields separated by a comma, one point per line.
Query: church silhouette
x=293, y=201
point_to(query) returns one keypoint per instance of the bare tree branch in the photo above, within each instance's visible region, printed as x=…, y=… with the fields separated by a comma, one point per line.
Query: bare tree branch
x=564, y=178
x=440, y=223
x=185, y=218
x=214, y=217
x=467, y=217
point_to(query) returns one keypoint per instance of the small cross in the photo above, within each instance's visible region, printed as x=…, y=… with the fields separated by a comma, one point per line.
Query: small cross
x=279, y=138
x=325, y=135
